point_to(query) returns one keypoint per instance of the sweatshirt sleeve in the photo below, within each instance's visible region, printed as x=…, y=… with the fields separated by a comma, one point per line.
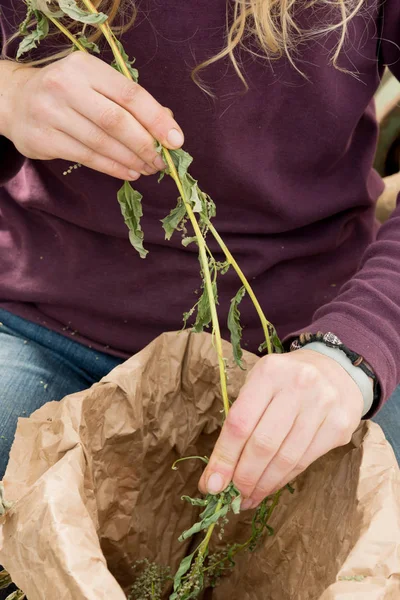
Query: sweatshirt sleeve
x=11, y=160
x=366, y=313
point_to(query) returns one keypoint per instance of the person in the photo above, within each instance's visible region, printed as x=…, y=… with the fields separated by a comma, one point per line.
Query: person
x=280, y=120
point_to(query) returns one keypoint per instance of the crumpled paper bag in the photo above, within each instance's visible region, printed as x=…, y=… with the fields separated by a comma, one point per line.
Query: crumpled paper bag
x=93, y=491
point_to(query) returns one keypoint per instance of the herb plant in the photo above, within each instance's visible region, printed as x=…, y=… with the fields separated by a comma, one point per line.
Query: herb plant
x=194, y=207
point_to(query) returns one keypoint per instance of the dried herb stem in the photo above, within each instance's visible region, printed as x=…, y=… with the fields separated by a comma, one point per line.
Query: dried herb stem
x=264, y=322
x=67, y=33
x=207, y=277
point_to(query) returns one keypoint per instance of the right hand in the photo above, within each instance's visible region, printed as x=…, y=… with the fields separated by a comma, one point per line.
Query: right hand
x=82, y=110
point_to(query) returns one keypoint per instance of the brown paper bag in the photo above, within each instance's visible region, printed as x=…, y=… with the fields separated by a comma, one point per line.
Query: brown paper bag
x=93, y=491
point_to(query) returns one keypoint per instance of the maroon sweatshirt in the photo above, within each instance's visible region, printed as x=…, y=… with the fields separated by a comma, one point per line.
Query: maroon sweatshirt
x=289, y=165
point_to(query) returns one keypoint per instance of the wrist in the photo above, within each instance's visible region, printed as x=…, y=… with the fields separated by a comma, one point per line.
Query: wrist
x=12, y=79
x=361, y=379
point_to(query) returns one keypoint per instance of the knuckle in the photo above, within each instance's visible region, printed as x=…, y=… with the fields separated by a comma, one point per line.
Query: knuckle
x=98, y=139
x=243, y=481
x=237, y=423
x=87, y=157
x=306, y=376
x=53, y=79
x=111, y=118
x=287, y=458
x=129, y=91
x=341, y=427
x=263, y=444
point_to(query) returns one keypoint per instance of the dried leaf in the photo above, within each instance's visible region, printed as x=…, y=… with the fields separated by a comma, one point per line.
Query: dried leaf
x=205, y=523
x=131, y=207
x=72, y=10
x=32, y=39
x=235, y=327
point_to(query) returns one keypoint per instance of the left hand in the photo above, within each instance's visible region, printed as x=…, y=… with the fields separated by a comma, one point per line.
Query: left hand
x=292, y=409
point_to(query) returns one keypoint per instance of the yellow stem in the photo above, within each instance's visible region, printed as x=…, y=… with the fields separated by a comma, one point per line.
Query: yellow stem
x=67, y=33
x=207, y=277
x=205, y=542
x=108, y=34
x=264, y=322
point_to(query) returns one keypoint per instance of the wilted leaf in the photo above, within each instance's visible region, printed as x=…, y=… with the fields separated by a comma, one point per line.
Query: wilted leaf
x=203, y=318
x=235, y=327
x=276, y=342
x=172, y=221
x=131, y=207
x=195, y=501
x=90, y=46
x=205, y=523
x=32, y=39
x=184, y=567
x=72, y=10
x=127, y=61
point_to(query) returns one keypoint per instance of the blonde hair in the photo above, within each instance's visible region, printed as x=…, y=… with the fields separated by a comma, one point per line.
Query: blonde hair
x=266, y=28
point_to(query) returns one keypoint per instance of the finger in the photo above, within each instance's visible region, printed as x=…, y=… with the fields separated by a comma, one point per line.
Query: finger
x=117, y=123
x=91, y=136
x=138, y=102
x=291, y=455
x=67, y=148
x=330, y=435
x=240, y=423
x=266, y=440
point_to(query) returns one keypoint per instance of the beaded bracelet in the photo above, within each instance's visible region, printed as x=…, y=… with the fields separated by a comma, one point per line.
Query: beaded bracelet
x=332, y=341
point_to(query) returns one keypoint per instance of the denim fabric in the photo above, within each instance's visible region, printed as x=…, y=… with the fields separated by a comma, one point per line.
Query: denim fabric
x=36, y=366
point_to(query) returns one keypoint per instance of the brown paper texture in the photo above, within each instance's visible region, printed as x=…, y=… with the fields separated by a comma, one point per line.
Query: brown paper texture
x=93, y=491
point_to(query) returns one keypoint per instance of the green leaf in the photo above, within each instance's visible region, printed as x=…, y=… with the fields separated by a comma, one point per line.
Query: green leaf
x=90, y=46
x=184, y=567
x=188, y=240
x=203, y=318
x=276, y=342
x=128, y=63
x=131, y=207
x=23, y=28
x=204, y=523
x=31, y=40
x=182, y=161
x=236, y=504
x=5, y=580
x=171, y=222
x=235, y=327
x=195, y=501
x=72, y=10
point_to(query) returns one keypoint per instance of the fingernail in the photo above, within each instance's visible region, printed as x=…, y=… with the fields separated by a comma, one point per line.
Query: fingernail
x=134, y=174
x=215, y=483
x=175, y=138
x=246, y=504
x=159, y=163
